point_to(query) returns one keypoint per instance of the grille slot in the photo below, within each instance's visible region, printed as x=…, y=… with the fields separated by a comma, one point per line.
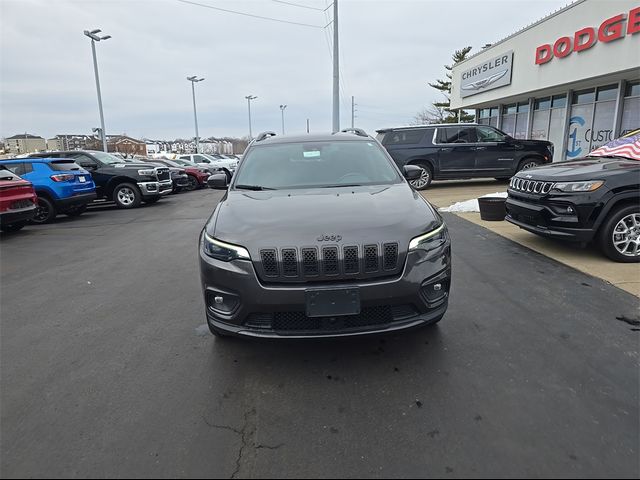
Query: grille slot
x=369, y=317
x=289, y=262
x=370, y=258
x=269, y=262
x=330, y=261
x=351, y=260
x=310, y=262
x=390, y=258
x=531, y=186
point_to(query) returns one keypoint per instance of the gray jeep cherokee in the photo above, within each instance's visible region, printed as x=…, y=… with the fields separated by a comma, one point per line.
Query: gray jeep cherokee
x=322, y=236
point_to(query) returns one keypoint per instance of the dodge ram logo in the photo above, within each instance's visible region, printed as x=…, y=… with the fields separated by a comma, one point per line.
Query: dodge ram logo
x=330, y=238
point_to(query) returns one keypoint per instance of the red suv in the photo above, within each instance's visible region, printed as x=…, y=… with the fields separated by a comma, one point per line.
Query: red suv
x=18, y=201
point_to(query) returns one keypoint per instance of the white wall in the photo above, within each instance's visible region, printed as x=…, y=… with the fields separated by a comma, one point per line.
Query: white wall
x=601, y=59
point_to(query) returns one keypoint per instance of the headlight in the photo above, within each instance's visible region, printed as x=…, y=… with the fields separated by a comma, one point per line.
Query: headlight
x=570, y=187
x=150, y=171
x=430, y=240
x=223, y=251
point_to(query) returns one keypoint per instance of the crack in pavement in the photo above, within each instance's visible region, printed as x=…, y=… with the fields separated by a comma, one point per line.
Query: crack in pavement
x=247, y=438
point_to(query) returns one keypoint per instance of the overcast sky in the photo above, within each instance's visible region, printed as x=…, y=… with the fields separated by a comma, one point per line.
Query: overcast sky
x=390, y=49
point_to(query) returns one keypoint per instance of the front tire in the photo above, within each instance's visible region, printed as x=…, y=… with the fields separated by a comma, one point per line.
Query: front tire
x=127, y=195
x=619, y=236
x=424, y=180
x=45, y=212
x=528, y=163
x=193, y=184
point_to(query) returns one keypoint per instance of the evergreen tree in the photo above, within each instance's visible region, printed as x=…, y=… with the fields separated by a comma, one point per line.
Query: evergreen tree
x=444, y=86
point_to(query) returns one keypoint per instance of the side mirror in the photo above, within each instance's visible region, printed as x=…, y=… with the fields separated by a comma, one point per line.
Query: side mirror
x=411, y=172
x=217, y=181
x=92, y=167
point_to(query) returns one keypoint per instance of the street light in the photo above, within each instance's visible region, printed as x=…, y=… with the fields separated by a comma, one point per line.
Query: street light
x=93, y=35
x=282, y=107
x=194, y=79
x=249, y=98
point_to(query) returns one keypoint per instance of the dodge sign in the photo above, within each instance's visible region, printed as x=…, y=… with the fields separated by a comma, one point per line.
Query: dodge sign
x=491, y=74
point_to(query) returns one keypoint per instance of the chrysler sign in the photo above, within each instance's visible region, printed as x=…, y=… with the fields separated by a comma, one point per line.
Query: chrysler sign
x=491, y=74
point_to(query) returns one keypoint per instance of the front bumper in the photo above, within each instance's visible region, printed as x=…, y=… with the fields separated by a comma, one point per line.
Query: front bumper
x=418, y=296
x=151, y=189
x=543, y=217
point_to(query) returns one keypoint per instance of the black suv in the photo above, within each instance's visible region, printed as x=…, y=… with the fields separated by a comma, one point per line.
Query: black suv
x=463, y=150
x=591, y=198
x=321, y=236
x=127, y=184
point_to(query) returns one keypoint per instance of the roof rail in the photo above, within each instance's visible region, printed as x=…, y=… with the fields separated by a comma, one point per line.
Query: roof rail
x=357, y=131
x=264, y=135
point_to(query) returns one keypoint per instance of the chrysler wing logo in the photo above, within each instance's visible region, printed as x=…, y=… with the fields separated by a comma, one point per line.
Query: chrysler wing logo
x=485, y=82
x=330, y=238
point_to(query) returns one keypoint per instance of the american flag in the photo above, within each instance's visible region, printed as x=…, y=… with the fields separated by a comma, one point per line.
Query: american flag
x=624, y=147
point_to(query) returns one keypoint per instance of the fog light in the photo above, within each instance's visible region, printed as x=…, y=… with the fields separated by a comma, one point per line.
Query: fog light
x=151, y=187
x=570, y=210
x=435, y=289
x=222, y=302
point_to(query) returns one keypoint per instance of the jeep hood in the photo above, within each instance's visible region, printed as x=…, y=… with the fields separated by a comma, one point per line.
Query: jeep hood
x=582, y=169
x=297, y=218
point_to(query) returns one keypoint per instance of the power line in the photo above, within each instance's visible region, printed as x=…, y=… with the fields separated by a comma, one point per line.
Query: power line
x=298, y=5
x=249, y=14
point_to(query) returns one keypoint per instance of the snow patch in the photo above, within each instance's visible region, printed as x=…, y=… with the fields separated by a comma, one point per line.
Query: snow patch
x=470, y=205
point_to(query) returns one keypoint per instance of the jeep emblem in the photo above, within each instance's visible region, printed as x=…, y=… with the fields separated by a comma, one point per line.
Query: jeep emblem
x=329, y=238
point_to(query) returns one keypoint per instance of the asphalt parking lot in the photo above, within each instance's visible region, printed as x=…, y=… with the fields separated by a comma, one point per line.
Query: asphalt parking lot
x=107, y=368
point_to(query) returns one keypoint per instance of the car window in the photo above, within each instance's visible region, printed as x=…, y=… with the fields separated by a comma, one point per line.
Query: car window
x=83, y=160
x=456, y=135
x=64, y=165
x=486, y=134
x=317, y=164
x=17, y=168
x=201, y=159
x=404, y=137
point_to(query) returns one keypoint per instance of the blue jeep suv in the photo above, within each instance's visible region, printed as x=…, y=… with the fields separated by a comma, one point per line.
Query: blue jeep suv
x=62, y=185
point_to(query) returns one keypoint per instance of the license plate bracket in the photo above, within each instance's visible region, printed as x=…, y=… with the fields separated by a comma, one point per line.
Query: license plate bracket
x=332, y=302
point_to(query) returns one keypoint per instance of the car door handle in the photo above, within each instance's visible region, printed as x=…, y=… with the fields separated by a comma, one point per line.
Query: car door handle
x=481, y=148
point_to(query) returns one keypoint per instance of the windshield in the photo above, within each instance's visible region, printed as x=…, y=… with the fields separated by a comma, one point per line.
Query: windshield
x=184, y=163
x=107, y=158
x=317, y=164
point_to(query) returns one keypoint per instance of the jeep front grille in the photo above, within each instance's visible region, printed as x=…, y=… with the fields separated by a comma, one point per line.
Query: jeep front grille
x=530, y=186
x=329, y=263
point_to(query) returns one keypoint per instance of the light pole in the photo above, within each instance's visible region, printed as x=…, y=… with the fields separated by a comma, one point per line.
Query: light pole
x=282, y=107
x=93, y=35
x=194, y=79
x=249, y=98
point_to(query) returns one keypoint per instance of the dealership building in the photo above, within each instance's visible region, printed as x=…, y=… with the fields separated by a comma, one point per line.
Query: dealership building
x=572, y=78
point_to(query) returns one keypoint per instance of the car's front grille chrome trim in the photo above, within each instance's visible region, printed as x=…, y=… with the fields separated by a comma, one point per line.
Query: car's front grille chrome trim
x=537, y=187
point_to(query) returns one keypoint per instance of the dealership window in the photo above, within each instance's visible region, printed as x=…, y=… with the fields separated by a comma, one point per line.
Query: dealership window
x=591, y=121
x=488, y=116
x=548, y=120
x=631, y=108
x=514, y=119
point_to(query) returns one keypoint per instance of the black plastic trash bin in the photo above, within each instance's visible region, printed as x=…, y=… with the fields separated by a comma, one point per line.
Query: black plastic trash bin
x=492, y=208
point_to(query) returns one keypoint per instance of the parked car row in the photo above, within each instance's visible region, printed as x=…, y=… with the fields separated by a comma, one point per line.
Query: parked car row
x=66, y=182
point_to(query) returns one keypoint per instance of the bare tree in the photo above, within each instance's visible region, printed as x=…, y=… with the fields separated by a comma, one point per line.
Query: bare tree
x=431, y=114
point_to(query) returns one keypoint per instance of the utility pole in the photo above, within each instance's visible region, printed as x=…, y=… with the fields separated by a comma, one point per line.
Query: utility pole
x=194, y=79
x=249, y=98
x=282, y=107
x=353, y=110
x=307, y=125
x=336, y=70
x=93, y=35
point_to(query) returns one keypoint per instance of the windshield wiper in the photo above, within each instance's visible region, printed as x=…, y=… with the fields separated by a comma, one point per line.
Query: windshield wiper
x=342, y=185
x=253, y=187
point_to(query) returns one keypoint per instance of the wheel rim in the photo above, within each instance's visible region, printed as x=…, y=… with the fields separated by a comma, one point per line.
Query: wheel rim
x=626, y=235
x=529, y=165
x=42, y=212
x=126, y=196
x=422, y=180
x=193, y=183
